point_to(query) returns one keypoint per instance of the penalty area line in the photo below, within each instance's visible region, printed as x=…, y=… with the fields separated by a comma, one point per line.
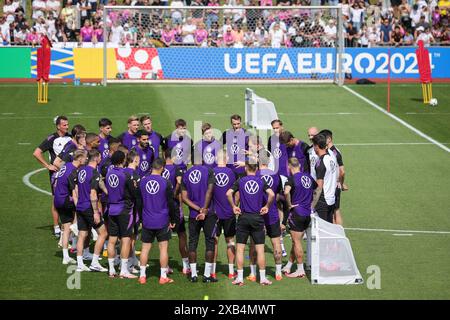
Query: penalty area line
x=404, y=123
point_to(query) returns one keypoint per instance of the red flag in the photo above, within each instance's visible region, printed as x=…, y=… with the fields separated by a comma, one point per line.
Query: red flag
x=43, y=59
x=423, y=61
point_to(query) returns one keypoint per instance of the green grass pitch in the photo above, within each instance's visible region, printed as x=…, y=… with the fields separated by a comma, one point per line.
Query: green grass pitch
x=397, y=180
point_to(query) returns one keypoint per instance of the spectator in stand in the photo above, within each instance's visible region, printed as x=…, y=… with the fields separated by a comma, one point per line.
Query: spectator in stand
x=385, y=32
x=68, y=15
x=357, y=13
x=276, y=36
x=176, y=14
x=415, y=14
x=98, y=32
x=199, y=14
x=201, y=35
x=39, y=8
x=238, y=14
x=408, y=38
x=363, y=37
x=32, y=37
x=86, y=32
x=178, y=34
x=351, y=35
x=422, y=23
x=425, y=36
x=20, y=35
x=284, y=3
x=227, y=25
x=330, y=32
x=21, y=20
x=397, y=37
x=53, y=6
x=249, y=37
x=238, y=36
x=167, y=35
x=437, y=32
x=445, y=37
x=444, y=5
x=212, y=14
x=5, y=35
x=51, y=24
x=405, y=11
x=84, y=7
x=228, y=39
x=188, y=32
x=261, y=34
x=60, y=35
x=9, y=11
x=40, y=25
x=116, y=34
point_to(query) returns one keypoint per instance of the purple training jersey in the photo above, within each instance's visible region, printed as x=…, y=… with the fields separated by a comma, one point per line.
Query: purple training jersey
x=181, y=149
x=120, y=194
x=224, y=180
x=208, y=151
x=63, y=185
x=251, y=192
x=146, y=157
x=302, y=189
x=274, y=182
x=196, y=181
x=128, y=140
x=236, y=142
x=88, y=179
x=280, y=155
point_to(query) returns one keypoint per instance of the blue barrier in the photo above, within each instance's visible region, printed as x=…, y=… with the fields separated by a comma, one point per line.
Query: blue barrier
x=295, y=63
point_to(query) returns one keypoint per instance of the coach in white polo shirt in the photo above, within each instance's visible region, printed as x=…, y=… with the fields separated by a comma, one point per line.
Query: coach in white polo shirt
x=324, y=196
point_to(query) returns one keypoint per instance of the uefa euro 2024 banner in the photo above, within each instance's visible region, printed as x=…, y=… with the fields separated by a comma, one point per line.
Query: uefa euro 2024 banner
x=296, y=63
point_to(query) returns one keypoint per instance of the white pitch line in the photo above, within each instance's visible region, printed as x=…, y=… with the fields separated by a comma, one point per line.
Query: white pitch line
x=209, y=113
x=26, y=181
x=402, y=234
x=372, y=144
x=400, y=231
x=418, y=132
x=431, y=113
x=8, y=113
x=24, y=143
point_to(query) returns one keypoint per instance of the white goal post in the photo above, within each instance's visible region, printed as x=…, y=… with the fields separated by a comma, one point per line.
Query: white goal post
x=240, y=44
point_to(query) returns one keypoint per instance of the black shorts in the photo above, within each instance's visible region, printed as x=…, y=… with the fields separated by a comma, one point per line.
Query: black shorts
x=149, y=235
x=66, y=214
x=209, y=226
x=228, y=226
x=85, y=220
x=273, y=230
x=298, y=223
x=337, y=194
x=121, y=225
x=180, y=227
x=50, y=175
x=250, y=224
x=325, y=211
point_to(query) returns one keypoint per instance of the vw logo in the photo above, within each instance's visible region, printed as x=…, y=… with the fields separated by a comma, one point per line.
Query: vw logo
x=306, y=182
x=110, y=167
x=152, y=187
x=144, y=165
x=313, y=161
x=61, y=172
x=105, y=153
x=82, y=176
x=277, y=153
x=105, y=146
x=293, y=154
x=179, y=152
x=133, y=142
x=166, y=174
x=251, y=187
x=222, y=179
x=144, y=157
x=113, y=181
x=268, y=179
x=209, y=158
x=234, y=148
x=195, y=176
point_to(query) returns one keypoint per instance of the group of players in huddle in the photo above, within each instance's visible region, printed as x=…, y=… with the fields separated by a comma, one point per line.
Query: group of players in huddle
x=122, y=189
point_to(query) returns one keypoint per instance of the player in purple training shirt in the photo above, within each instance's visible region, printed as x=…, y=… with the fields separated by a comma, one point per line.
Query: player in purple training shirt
x=86, y=201
x=299, y=191
x=174, y=174
x=121, y=188
x=63, y=186
x=250, y=193
x=105, y=126
x=236, y=141
x=196, y=191
x=180, y=144
x=128, y=138
x=159, y=215
x=155, y=139
x=295, y=149
x=224, y=180
x=145, y=151
x=78, y=141
x=207, y=147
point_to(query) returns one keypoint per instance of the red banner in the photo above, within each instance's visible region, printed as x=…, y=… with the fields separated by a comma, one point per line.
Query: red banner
x=423, y=61
x=43, y=59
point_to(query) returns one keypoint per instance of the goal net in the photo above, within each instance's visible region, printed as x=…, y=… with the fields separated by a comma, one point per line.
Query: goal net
x=222, y=43
x=330, y=256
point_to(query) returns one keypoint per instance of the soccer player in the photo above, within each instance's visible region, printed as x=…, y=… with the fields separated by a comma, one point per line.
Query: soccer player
x=236, y=140
x=159, y=215
x=63, y=186
x=299, y=194
x=145, y=151
x=128, y=138
x=174, y=174
x=180, y=144
x=88, y=216
x=224, y=180
x=78, y=141
x=121, y=191
x=271, y=219
x=155, y=139
x=333, y=151
x=249, y=192
x=324, y=195
x=278, y=149
x=54, y=144
x=312, y=156
x=207, y=147
x=196, y=190
x=113, y=146
x=295, y=148
x=105, y=126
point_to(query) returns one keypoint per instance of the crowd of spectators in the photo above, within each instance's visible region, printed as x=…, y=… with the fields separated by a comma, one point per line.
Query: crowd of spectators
x=366, y=23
